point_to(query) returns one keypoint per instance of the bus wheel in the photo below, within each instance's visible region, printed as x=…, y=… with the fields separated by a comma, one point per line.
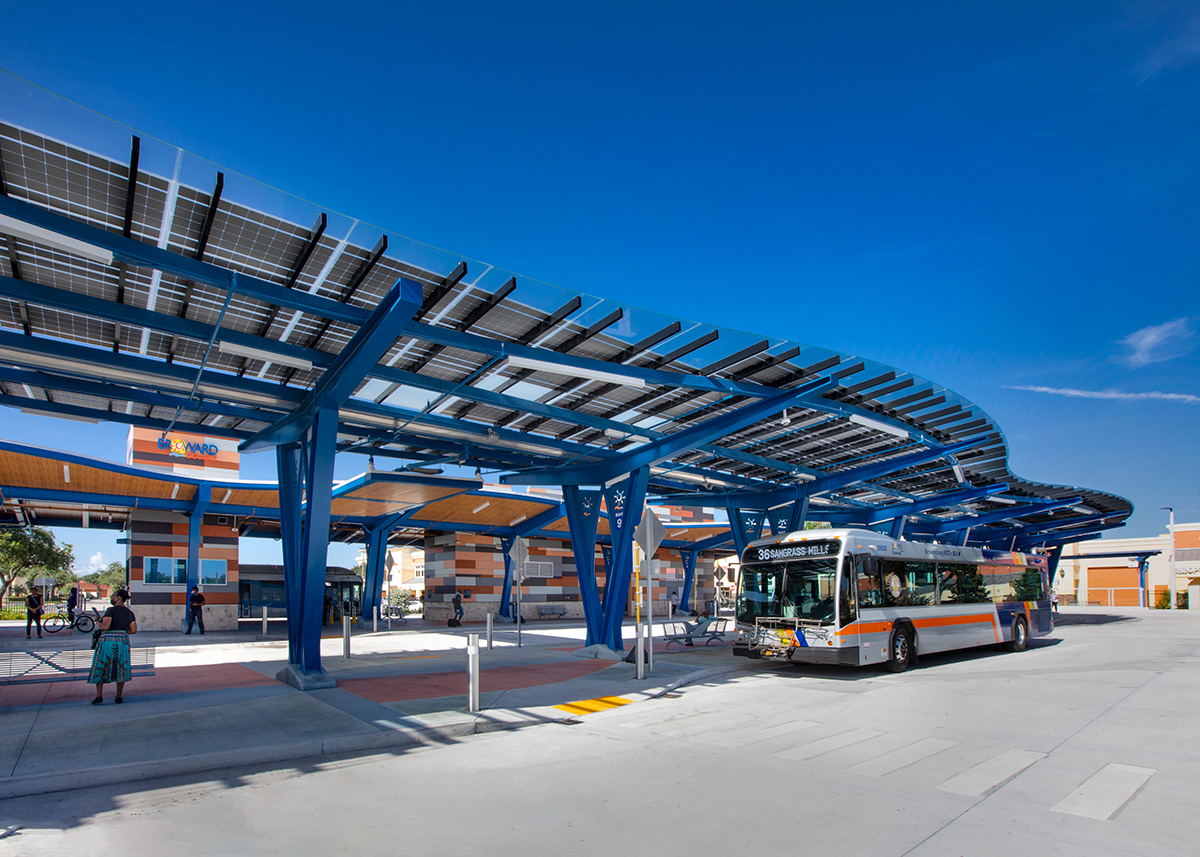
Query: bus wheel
x=901, y=657
x=1020, y=636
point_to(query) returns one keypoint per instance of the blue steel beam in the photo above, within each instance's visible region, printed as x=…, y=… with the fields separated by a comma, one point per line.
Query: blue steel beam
x=1029, y=529
x=145, y=255
x=828, y=482
x=656, y=451
x=132, y=394
x=1012, y=512
x=377, y=544
x=173, y=325
x=333, y=388
x=878, y=515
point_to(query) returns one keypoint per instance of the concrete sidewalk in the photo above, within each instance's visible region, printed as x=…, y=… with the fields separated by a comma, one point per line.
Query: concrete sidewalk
x=214, y=703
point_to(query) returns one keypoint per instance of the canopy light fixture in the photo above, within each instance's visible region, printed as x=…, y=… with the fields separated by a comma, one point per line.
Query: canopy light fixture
x=894, y=431
x=428, y=471
x=481, y=507
x=958, y=473
x=263, y=355
x=618, y=434
x=574, y=371
x=785, y=420
x=47, y=238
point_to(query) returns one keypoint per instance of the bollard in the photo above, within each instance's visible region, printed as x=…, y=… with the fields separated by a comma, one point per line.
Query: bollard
x=375, y=620
x=640, y=656
x=472, y=672
x=264, y=620
x=345, y=635
x=489, y=631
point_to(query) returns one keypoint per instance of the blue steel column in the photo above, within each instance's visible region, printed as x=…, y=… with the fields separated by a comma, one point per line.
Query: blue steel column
x=583, y=518
x=624, y=500
x=307, y=467
x=377, y=541
x=203, y=498
x=689, y=572
x=506, y=545
x=289, y=466
x=896, y=531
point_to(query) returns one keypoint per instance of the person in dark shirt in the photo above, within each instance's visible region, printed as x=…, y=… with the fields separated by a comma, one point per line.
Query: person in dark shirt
x=33, y=612
x=72, y=603
x=111, y=659
x=458, y=611
x=196, y=610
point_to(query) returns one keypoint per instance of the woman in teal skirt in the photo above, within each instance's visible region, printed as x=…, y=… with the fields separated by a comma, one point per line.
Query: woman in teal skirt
x=111, y=660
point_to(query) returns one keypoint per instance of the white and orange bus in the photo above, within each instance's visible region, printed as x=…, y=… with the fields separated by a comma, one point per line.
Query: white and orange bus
x=857, y=597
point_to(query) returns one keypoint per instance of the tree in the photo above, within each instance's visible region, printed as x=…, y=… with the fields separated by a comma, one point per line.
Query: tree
x=113, y=576
x=27, y=553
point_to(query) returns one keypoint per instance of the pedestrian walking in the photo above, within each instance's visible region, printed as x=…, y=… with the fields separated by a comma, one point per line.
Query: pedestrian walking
x=196, y=610
x=110, y=662
x=1054, y=600
x=674, y=604
x=33, y=613
x=458, y=611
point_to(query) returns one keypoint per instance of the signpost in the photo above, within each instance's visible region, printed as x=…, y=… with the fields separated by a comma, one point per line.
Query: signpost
x=649, y=535
x=519, y=554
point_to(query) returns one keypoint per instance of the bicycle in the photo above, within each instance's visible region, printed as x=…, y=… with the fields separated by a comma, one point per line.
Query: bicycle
x=83, y=622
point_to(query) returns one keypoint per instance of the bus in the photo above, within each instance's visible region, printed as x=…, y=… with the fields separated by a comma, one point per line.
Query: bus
x=856, y=597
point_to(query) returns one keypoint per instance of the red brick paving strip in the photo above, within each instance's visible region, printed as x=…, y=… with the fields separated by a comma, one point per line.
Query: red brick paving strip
x=164, y=680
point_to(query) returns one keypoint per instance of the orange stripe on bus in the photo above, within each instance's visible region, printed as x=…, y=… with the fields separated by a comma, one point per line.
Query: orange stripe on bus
x=974, y=619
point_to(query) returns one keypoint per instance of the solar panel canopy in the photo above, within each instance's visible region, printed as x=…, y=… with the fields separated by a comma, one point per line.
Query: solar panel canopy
x=199, y=300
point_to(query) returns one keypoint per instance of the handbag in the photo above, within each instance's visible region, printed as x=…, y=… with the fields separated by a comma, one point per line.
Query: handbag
x=96, y=637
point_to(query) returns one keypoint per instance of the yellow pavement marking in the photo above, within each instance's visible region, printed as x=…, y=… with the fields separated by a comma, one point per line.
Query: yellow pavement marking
x=589, y=706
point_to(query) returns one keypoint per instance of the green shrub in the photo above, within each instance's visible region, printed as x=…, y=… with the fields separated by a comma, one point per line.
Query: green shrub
x=1163, y=602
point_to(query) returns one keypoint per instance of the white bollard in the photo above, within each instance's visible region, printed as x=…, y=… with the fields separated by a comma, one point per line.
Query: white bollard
x=375, y=620
x=489, y=631
x=640, y=656
x=472, y=672
x=264, y=620
x=346, y=635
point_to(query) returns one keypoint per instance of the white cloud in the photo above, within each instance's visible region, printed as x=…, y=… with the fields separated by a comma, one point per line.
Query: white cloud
x=96, y=562
x=1157, y=342
x=1115, y=395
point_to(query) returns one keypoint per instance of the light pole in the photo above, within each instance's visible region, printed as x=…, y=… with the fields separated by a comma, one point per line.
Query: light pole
x=1171, y=555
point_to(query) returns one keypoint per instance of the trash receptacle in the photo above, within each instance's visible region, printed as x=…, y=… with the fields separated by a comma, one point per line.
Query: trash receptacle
x=711, y=607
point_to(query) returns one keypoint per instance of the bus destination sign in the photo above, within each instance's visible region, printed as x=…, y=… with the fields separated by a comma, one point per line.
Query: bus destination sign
x=801, y=550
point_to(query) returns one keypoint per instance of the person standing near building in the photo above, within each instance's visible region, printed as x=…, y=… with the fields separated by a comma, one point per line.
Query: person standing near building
x=458, y=611
x=196, y=610
x=674, y=604
x=33, y=612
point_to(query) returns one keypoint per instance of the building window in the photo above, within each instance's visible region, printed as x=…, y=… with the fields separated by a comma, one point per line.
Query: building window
x=212, y=572
x=418, y=569
x=160, y=569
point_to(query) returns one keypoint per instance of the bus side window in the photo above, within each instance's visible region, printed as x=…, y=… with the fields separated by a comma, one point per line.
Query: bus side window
x=846, y=602
x=869, y=593
x=947, y=583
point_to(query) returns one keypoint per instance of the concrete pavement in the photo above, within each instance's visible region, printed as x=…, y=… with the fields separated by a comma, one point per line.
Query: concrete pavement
x=214, y=702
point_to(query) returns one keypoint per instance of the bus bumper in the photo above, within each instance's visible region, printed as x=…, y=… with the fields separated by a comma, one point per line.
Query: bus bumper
x=844, y=655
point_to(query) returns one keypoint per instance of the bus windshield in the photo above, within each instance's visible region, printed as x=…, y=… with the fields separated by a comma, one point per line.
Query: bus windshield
x=801, y=590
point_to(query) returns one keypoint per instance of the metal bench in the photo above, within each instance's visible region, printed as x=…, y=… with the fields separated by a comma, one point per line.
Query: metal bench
x=64, y=665
x=686, y=633
x=545, y=611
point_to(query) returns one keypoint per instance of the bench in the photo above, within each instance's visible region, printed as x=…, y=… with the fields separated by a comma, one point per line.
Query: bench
x=545, y=611
x=64, y=665
x=686, y=633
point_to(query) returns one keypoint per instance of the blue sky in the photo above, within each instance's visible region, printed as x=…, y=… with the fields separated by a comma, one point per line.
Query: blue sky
x=1001, y=197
